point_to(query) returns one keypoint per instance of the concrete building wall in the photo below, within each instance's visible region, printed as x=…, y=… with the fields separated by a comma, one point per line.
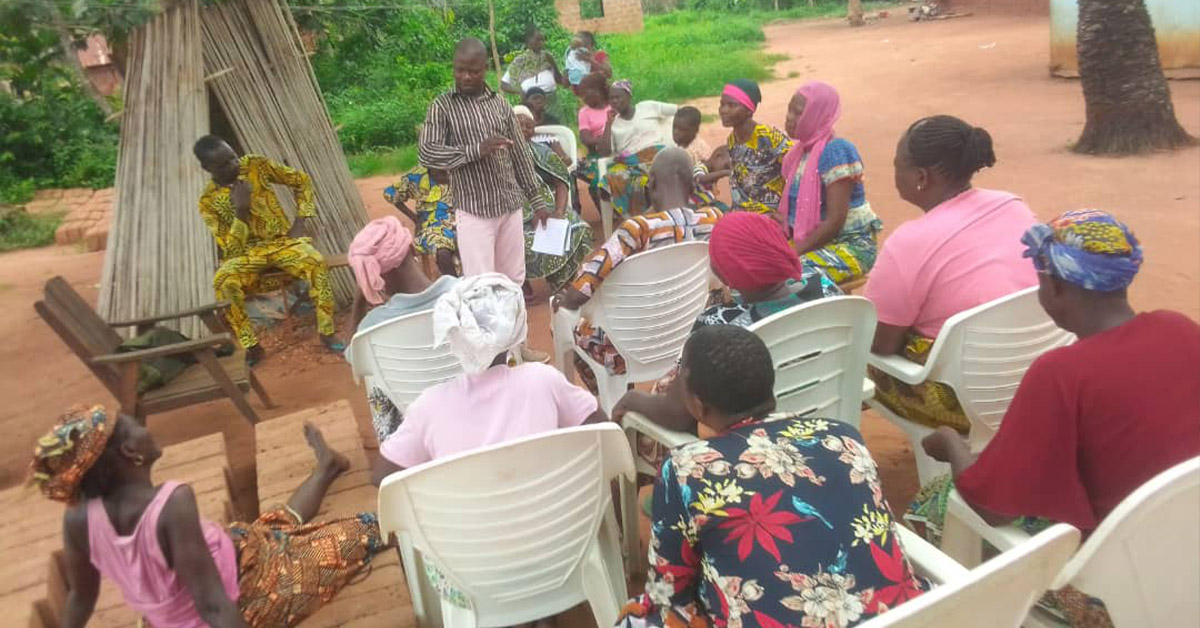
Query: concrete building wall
x=1176, y=26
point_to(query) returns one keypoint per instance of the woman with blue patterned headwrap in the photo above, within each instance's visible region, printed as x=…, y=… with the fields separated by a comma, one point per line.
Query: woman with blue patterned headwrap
x=1092, y=421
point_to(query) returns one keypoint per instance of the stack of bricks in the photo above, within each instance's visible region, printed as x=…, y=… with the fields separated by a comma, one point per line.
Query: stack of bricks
x=284, y=459
x=33, y=585
x=86, y=215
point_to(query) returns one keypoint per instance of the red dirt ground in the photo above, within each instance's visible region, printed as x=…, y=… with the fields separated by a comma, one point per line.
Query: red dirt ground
x=989, y=70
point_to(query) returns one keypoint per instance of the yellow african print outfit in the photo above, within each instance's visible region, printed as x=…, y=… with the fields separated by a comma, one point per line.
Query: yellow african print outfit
x=249, y=250
x=756, y=180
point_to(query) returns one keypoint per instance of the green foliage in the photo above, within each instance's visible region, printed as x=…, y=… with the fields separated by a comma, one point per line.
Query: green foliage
x=21, y=230
x=372, y=163
x=686, y=54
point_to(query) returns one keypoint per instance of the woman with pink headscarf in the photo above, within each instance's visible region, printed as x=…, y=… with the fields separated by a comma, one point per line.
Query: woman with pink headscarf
x=825, y=206
x=390, y=285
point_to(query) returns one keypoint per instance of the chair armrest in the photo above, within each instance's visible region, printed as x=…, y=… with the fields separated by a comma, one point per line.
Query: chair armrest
x=639, y=423
x=1002, y=538
x=207, y=342
x=899, y=368
x=196, y=311
x=563, y=322
x=928, y=560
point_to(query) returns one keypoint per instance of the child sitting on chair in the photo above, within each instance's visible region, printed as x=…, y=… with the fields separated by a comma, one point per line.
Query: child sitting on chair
x=685, y=132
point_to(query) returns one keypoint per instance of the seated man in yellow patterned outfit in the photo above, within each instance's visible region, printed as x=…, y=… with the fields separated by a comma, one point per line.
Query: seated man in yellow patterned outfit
x=254, y=235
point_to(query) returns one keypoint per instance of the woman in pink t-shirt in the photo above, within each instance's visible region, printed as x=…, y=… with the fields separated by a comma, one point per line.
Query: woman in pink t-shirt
x=172, y=567
x=963, y=252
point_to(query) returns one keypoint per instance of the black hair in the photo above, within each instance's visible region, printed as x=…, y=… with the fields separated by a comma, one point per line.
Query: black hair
x=596, y=81
x=688, y=114
x=588, y=36
x=97, y=481
x=534, y=91
x=730, y=369
x=469, y=45
x=530, y=31
x=206, y=145
x=950, y=146
x=750, y=88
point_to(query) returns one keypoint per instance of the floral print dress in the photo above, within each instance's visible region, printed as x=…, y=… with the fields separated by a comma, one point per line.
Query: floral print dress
x=776, y=523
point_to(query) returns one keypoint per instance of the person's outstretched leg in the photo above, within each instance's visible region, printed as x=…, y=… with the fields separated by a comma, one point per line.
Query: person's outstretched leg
x=306, y=501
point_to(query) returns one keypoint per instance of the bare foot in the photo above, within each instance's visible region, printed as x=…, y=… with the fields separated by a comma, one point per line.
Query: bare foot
x=327, y=458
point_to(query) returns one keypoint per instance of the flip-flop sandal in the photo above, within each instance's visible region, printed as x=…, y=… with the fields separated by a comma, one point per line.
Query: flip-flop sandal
x=336, y=347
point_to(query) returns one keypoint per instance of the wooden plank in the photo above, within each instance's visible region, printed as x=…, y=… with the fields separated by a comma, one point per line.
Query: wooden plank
x=284, y=459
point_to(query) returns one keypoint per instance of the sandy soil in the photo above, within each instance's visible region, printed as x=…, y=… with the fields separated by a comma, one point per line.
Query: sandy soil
x=992, y=71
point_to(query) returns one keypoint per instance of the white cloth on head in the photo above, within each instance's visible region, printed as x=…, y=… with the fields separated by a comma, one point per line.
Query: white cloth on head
x=522, y=110
x=481, y=317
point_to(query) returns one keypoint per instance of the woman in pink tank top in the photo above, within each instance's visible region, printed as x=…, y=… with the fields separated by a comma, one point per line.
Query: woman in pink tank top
x=174, y=568
x=964, y=251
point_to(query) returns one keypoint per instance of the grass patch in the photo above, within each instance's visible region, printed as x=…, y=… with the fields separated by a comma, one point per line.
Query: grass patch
x=386, y=161
x=21, y=230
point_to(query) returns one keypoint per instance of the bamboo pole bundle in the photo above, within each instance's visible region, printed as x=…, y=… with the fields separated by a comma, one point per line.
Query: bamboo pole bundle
x=258, y=69
x=160, y=256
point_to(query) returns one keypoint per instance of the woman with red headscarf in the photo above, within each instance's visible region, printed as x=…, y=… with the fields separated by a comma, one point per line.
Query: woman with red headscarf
x=751, y=256
x=825, y=206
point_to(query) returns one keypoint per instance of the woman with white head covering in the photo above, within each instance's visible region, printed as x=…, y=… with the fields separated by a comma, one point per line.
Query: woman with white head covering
x=483, y=319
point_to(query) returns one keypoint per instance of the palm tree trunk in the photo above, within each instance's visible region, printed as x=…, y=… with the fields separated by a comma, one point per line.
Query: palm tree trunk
x=854, y=13
x=1127, y=99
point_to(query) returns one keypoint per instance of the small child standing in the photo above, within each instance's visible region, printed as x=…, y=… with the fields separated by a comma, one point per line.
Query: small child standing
x=706, y=169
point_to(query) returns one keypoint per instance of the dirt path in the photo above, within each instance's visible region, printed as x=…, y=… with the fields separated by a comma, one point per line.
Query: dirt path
x=889, y=74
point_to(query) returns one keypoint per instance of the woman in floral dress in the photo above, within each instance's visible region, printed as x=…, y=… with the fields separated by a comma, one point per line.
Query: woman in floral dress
x=777, y=520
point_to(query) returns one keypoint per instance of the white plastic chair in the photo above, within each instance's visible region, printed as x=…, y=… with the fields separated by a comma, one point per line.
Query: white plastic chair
x=995, y=595
x=523, y=530
x=1141, y=560
x=820, y=353
x=666, y=129
x=982, y=354
x=565, y=138
x=647, y=306
x=399, y=358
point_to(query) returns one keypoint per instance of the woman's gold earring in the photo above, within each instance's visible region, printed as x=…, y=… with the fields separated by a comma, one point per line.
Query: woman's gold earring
x=139, y=460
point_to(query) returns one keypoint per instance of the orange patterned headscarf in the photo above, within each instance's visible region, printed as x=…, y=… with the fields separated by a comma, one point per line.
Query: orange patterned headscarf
x=66, y=453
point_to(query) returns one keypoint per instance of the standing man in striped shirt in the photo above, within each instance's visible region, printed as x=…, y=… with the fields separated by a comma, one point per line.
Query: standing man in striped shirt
x=471, y=133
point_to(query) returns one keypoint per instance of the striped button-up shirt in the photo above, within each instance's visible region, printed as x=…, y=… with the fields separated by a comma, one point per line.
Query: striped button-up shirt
x=490, y=186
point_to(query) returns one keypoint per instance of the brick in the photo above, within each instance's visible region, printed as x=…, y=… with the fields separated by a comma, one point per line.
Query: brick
x=96, y=239
x=47, y=195
x=48, y=206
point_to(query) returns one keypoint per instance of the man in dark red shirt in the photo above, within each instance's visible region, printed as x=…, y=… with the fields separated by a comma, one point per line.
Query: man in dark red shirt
x=1093, y=421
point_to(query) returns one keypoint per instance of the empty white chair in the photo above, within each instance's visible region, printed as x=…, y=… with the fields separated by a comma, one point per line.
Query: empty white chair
x=647, y=306
x=995, y=595
x=565, y=138
x=1141, y=560
x=523, y=530
x=982, y=354
x=399, y=358
x=666, y=132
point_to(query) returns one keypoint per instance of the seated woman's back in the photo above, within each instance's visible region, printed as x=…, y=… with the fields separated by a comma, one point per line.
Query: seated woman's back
x=480, y=409
x=961, y=254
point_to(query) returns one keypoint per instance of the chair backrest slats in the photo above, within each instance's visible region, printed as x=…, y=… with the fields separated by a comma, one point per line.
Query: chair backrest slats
x=647, y=306
x=1141, y=560
x=820, y=354
x=986, y=351
x=400, y=358
x=510, y=525
x=81, y=329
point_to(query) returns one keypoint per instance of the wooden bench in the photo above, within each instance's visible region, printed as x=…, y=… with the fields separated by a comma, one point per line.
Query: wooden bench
x=95, y=343
x=33, y=585
x=284, y=459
